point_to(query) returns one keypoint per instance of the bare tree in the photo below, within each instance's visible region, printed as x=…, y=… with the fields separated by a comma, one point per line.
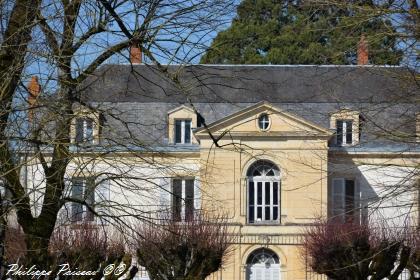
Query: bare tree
x=188, y=250
x=361, y=251
x=87, y=247
x=66, y=43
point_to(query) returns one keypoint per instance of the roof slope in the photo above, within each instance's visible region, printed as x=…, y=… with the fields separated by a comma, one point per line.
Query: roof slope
x=251, y=84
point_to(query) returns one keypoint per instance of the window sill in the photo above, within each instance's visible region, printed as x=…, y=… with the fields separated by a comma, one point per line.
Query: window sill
x=273, y=223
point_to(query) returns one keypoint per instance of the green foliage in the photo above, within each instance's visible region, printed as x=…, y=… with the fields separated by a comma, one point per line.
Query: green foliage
x=301, y=32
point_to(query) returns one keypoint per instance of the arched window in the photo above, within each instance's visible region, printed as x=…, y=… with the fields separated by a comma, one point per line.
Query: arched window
x=263, y=264
x=263, y=192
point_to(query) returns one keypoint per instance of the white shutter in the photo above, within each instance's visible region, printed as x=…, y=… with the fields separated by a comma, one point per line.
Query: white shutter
x=338, y=194
x=197, y=195
x=165, y=194
x=2, y=189
x=357, y=201
x=64, y=215
x=102, y=198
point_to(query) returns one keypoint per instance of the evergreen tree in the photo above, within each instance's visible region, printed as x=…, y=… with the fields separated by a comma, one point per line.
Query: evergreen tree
x=300, y=32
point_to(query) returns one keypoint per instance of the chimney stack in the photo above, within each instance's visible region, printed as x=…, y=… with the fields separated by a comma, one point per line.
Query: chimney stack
x=34, y=89
x=135, y=54
x=362, y=51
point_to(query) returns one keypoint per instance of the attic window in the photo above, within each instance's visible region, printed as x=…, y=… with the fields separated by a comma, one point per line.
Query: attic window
x=344, y=132
x=346, y=124
x=182, y=131
x=84, y=130
x=263, y=122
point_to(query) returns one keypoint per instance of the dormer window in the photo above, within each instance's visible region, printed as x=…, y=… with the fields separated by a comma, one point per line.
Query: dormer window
x=182, y=132
x=344, y=135
x=85, y=126
x=181, y=122
x=84, y=130
x=346, y=124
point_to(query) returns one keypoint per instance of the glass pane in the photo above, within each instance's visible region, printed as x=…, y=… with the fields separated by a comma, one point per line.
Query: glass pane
x=178, y=131
x=89, y=130
x=267, y=193
x=189, y=199
x=349, y=133
x=251, y=193
x=349, y=201
x=275, y=193
x=187, y=132
x=259, y=213
x=263, y=121
x=176, y=199
x=275, y=213
x=259, y=193
x=339, y=132
x=79, y=130
x=251, y=214
x=267, y=213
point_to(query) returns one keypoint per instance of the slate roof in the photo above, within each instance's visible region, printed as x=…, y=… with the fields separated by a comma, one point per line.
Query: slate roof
x=135, y=99
x=250, y=84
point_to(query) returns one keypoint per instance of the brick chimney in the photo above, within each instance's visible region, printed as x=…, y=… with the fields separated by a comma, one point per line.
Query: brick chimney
x=34, y=89
x=135, y=54
x=362, y=51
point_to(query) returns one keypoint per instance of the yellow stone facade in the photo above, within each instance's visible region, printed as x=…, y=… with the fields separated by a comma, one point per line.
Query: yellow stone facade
x=299, y=149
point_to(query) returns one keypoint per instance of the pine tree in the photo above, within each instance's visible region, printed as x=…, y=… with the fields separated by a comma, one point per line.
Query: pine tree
x=299, y=32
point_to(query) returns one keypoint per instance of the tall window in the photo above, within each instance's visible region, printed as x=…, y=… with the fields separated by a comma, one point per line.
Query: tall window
x=182, y=199
x=344, y=132
x=84, y=130
x=343, y=199
x=83, y=189
x=182, y=131
x=263, y=193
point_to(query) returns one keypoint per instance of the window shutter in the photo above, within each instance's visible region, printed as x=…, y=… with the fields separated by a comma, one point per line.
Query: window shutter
x=64, y=215
x=197, y=195
x=77, y=193
x=338, y=194
x=339, y=136
x=102, y=197
x=165, y=194
x=2, y=189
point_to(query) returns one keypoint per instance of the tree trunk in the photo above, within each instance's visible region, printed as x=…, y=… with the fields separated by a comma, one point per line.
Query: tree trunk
x=37, y=251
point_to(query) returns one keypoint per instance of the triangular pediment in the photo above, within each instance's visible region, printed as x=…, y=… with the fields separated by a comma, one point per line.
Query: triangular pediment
x=245, y=123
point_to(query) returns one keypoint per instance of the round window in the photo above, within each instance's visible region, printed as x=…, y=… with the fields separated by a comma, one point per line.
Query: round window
x=263, y=121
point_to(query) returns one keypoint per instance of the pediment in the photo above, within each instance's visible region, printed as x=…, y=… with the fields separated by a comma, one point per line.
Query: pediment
x=245, y=123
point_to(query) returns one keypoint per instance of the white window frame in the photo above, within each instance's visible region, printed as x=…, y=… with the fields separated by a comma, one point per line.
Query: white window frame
x=271, y=205
x=183, y=196
x=182, y=121
x=344, y=132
